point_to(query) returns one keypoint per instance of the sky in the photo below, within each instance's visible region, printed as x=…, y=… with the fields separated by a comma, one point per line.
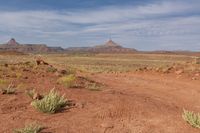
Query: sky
x=141, y=24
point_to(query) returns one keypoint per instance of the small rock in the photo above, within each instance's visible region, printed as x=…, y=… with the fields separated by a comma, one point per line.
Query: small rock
x=80, y=105
x=166, y=70
x=194, y=78
x=178, y=72
x=37, y=96
x=25, y=77
x=158, y=69
x=63, y=72
x=58, y=74
x=25, y=70
x=107, y=125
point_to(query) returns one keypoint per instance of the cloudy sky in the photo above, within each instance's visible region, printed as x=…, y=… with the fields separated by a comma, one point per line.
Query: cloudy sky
x=140, y=24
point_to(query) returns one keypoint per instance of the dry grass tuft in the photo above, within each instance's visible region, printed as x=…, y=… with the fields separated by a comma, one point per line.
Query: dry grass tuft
x=31, y=128
x=31, y=93
x=192, y=118
x=51, y=69
x=67, y=81
x=51, y=103
x=93, y=87
x=2, y=81
x=9, y=90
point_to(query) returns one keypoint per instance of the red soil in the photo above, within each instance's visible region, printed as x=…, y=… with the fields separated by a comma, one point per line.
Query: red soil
x=130, y=103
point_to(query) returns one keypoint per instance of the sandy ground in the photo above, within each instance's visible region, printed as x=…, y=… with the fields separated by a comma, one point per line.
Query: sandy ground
x=130, y=103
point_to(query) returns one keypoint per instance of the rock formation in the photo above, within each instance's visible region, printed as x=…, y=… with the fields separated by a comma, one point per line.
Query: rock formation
x=12, y=45
x=108, y=47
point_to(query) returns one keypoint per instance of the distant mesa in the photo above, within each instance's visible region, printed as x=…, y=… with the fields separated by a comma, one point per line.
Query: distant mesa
x=13, y=45
x=112, y=47
x=12, y=42
x=110, y=43
x=109, y=47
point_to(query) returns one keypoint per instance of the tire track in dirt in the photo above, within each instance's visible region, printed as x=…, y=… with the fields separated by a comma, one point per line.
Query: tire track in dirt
x=130, y=103
x=166, y=93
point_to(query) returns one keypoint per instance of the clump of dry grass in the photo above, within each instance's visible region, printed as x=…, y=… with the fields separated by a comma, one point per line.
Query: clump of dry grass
x=51, y=103
x=191, y=118
x=67, y=81
x=51, y=69
x=93, y=87
x=30, y=128
x=19, y=75
x=31, y=93
x=2, y=81
x=9, y=90
x=71, y=70
x=196, y=60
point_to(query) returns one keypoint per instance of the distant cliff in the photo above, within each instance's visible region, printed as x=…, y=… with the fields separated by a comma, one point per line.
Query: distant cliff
x=108, y=47
x=12, y=45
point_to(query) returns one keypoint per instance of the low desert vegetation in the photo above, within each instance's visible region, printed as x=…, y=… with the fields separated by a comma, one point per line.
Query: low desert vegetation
x=93, y=87
x=192, y=118
x=31, y=93
x=67, y=81
x=19, y=75
x=9, y=90
x=51, y=103
x=71, y=70
x=22, y=86
x=51, y=69
x=197, y=60
x=2, y=81
x=30, y=128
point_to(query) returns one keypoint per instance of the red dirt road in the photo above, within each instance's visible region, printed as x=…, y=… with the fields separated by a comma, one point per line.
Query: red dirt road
x=131, y=103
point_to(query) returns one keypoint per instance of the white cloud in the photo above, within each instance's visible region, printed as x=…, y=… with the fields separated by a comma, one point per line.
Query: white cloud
x=149, y=26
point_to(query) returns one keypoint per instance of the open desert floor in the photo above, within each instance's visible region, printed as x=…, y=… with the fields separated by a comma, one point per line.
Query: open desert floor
x=114, y=93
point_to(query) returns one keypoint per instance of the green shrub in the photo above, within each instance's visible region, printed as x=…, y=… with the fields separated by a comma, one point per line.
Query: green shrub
x=192, y=118
x=68, y=80
x=51, y=103
x=31, y=128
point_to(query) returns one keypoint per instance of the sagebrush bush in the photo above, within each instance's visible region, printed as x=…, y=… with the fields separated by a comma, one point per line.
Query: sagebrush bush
x=192, y=118
x=67, y=81
x=51, y=103
x=31, y=128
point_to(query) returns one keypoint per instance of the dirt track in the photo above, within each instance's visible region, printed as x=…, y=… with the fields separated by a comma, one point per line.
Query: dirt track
x=131, y=103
